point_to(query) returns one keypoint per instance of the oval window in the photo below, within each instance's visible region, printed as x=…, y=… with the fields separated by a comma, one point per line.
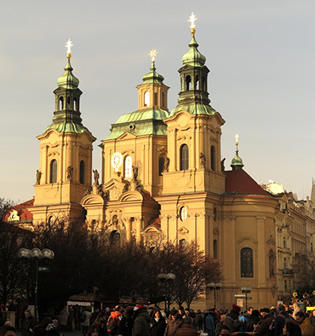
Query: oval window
x=183, y=213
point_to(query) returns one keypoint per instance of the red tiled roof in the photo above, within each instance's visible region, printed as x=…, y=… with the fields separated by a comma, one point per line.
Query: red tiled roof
x=240, y=183
x=156, y=222
x=22, y=210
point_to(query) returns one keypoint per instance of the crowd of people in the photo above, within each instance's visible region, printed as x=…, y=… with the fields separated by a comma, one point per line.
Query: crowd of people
x=143, y=321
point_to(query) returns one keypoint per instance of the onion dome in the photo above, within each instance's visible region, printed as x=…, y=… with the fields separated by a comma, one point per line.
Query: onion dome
x=193, y=57
x=68, y=80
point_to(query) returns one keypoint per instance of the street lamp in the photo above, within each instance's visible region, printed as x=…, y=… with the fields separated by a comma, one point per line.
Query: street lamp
x=215, y=286
x=246, y=290
x=166, y=278
x=36, y=254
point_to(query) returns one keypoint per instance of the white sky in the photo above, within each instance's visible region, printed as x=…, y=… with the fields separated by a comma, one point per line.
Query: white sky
x=260, y=53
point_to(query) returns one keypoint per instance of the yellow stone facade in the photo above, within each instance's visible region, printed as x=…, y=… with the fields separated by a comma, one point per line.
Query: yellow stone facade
x=162, y=177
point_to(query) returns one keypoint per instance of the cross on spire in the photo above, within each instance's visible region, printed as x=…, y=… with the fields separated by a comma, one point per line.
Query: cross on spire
x=192, y=20
x=153, y=54
x=68, y=45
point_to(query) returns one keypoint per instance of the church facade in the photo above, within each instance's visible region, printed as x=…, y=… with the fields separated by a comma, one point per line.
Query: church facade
x=162, y=177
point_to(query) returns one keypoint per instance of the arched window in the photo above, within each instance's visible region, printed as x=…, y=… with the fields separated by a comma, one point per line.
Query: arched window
x=311, y=247
x=184, y=157
x=128, y=166
x=115, y=238
x=247, y=262
x=183, y=243
x=213, y=158
x=163, y=100
x=215, y=249
x=284, y=242
x=146, y=98
x=82, y=172
x=215, y=214
x=197, y=83
x=161, y=165
x=188, y=83
x=75, y=102
x=60, y=108
x=53, y=171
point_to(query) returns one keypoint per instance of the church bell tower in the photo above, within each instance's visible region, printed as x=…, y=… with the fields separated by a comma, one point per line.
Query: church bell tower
x=65, y=155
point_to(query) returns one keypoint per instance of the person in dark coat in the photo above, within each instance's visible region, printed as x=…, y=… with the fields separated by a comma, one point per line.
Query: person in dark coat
x=28, y=323
x=280, y=320
x=232, y=320
x=141, y=321
x=253, y=319
x=173, y=323
x=126, y=323
x=262, y=329
x=187, y=329
x=158, y=324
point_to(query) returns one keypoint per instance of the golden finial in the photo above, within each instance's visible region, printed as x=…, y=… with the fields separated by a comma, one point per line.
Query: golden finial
x=192, y=20
x=68, y=45
x=153, y=54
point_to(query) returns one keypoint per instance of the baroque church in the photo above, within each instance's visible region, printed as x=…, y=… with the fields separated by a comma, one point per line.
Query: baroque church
x=162, y=177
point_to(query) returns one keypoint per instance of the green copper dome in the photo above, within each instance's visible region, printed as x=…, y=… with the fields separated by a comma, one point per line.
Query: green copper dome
x=237, y=162
x=193, y=56
x=152, y=76
x=141, y=122
x=68, y=80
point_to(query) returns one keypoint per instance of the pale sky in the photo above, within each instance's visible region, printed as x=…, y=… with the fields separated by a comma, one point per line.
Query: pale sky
x=261, y=56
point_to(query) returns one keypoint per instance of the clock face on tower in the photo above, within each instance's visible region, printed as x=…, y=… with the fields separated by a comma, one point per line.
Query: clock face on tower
x=117, y=160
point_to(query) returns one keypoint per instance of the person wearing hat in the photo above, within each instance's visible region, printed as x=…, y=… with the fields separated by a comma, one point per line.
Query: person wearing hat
x=141, y=321
x=262, y=329
x=173, y=323
x=232, y=320
x=187, y=329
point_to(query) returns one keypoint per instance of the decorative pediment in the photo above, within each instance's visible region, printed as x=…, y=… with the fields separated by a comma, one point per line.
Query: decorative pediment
x=253, y=241
x=126, y=135
x=114, y=189
x=92, y=200
x=131, y=196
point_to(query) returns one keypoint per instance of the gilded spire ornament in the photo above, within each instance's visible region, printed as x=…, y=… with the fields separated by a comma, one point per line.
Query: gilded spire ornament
x=153, y=54
x=68, y=45
x=192, y=20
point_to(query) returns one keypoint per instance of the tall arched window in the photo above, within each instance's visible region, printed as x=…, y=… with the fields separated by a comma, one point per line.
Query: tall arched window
x=161, y=165
x=188, y=83
x=213, y=158
x=163, y=100
x=128, y=166
x=82, y=172
x=146, y=98
x=247, y=263
x=53, y=171
x=184, y=157
x=60, y=108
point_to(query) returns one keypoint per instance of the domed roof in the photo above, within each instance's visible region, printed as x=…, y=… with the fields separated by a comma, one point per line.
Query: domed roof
x=193, y=57
x=68, y=80
x=237, y=162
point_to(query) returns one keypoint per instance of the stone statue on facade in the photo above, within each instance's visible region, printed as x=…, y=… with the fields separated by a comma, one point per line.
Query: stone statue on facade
x=96, y=176
x=38, y=176
x=166, y=163
x=69, y=172
x=202, y=160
